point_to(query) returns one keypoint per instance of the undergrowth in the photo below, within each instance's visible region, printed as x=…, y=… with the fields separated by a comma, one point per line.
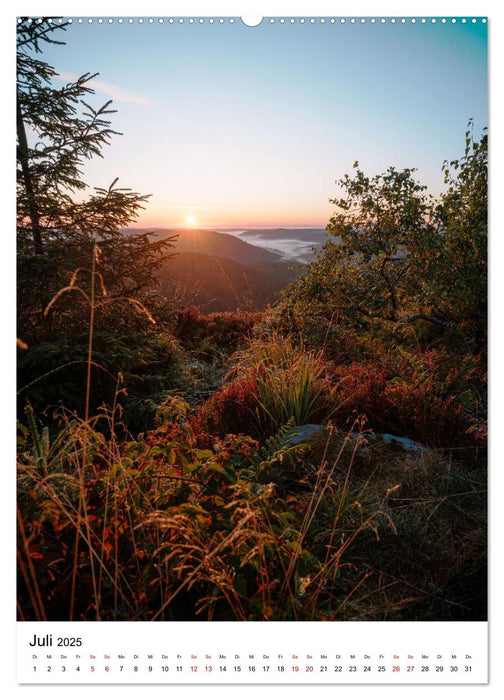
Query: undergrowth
x=219, y=510
x=165, y=528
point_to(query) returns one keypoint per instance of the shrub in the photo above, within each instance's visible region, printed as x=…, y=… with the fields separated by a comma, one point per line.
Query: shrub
x=430, y=396
x=54, y=374
x=229, y=410
x=214, y=334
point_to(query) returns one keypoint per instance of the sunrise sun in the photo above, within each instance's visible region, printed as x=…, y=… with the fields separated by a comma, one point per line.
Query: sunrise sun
x=191, y=220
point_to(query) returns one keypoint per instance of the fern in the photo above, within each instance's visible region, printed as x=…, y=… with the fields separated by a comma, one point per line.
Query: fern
x=278, y=441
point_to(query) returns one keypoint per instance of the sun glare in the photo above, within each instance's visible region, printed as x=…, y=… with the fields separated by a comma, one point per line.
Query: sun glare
x=191, y=220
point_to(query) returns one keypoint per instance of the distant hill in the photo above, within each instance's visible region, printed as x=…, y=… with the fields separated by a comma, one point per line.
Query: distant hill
x=222, y=245
x=308, y=235
x=219, y=272
x=218, y=284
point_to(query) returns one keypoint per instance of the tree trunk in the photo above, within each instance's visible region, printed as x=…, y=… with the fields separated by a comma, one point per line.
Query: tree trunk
x=30, y=194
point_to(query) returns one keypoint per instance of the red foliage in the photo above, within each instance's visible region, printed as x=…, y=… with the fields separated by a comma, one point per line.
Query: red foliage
x=224, y=330
x=230, y=410
x=418, y=396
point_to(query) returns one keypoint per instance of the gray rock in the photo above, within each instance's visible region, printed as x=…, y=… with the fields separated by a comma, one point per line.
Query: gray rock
x=300, y=433
x=405, y=443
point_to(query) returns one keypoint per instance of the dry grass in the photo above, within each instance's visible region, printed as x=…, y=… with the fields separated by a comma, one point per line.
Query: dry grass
x=160, y=529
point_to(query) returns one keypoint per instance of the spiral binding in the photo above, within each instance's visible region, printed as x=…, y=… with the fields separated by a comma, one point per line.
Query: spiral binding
x=269, y=20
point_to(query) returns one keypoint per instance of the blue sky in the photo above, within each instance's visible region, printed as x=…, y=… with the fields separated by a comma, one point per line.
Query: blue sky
x=240, y=126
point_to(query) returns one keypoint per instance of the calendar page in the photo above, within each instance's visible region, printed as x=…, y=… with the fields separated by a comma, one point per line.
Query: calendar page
x=251, y=348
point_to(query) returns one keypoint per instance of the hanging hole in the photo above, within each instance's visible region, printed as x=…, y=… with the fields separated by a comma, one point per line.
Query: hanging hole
x=251, y=21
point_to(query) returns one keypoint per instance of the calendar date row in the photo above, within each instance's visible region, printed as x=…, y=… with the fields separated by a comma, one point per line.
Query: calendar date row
x=262, y=669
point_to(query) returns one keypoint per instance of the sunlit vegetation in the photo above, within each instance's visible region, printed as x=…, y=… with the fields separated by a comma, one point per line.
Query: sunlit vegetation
x=180, y=465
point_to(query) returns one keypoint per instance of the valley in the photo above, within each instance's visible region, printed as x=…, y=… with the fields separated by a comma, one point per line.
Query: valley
x=219, y=271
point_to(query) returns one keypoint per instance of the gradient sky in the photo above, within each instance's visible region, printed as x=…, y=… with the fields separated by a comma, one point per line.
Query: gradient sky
x=241, y=126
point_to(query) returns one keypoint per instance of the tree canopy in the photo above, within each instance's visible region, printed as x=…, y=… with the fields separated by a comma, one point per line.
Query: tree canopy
x=396, y=254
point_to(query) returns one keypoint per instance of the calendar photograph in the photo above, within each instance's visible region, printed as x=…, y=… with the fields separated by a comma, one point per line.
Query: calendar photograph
x=251, y=320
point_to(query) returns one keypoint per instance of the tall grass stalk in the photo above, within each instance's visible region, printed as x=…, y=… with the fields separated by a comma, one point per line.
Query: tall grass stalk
x=317, y=494
x=93, y=306
x=64, y=471
x=225, y=542
x=30, y=576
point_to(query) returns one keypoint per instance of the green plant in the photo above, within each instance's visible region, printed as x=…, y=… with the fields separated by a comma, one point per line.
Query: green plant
x=396, y=255
x=291, y=383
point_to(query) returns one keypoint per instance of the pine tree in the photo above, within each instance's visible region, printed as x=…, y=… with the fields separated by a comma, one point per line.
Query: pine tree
x=60, y=228
x=57, y=224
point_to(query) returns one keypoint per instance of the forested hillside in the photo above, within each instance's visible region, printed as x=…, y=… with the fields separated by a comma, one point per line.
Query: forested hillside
x=216, y=284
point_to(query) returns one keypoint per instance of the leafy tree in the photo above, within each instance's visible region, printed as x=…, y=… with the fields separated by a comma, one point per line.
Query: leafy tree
x=462, y=218
x=395, y=254
x=377, y=239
